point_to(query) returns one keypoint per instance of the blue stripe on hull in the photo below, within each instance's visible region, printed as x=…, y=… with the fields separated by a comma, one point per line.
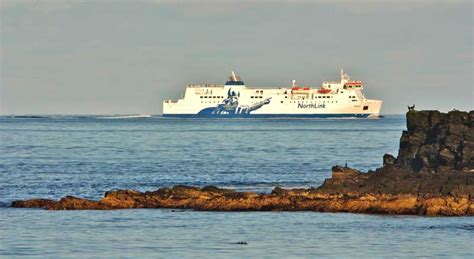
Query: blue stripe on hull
x=341, y=115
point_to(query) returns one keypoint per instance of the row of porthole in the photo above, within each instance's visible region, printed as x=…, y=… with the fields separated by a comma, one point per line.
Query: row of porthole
x=211, y=97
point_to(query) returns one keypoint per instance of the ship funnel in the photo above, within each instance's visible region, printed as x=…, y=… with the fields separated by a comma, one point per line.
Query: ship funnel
x=234, y=79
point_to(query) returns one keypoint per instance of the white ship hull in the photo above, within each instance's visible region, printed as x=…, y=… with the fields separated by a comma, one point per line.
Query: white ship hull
x=234, y=99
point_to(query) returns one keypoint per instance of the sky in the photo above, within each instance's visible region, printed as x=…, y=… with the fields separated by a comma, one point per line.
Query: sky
x=125, y=57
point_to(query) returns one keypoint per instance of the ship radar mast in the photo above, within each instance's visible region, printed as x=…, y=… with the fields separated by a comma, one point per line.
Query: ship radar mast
x=344, y=77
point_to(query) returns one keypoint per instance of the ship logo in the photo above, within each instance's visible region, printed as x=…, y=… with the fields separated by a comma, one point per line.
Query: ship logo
x=231, y=106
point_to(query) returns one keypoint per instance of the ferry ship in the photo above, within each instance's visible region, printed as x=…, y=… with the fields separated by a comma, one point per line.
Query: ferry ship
x=344, y=98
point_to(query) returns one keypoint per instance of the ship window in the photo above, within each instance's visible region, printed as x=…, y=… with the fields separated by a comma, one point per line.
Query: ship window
x=201, y=97
x=251, y=97
x=366, y=108
x=205, y=96
x=286, y=96
x=281, y=101
x=260, y=96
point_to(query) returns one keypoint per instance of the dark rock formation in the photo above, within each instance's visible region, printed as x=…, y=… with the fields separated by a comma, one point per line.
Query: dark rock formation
x=388, y=160
x=437, y=142
x=432, y=175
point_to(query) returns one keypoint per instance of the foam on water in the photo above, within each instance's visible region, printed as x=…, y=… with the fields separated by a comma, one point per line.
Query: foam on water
x=140, y=116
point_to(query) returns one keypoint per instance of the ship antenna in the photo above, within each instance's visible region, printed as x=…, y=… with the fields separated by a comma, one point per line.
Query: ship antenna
x=234, y=76
x=293, y=83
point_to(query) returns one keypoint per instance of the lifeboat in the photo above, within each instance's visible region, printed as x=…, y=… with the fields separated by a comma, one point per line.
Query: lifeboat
x=324, y=90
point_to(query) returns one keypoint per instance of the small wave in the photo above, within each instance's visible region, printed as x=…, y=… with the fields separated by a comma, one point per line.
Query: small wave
x=139, y=116
x=27, y=117
x=467, y=227
x=5, y=204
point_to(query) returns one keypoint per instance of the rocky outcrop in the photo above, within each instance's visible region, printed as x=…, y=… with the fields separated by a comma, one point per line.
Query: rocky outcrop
x=437, y=142
x=215, y=199
x=432, y=175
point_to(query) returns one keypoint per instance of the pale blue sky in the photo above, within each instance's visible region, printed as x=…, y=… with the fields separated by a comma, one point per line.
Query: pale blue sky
x=116, y=57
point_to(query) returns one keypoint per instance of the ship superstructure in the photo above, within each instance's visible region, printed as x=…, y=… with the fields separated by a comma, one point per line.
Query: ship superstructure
x=344, y=98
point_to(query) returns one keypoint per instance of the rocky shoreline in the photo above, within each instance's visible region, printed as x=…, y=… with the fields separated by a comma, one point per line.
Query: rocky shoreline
x=433, y=174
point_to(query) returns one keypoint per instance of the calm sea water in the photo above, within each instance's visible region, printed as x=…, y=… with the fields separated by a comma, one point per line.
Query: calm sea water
x=87, y=155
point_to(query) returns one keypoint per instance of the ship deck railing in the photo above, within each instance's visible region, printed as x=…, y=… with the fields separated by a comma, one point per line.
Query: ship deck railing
x=205, y=86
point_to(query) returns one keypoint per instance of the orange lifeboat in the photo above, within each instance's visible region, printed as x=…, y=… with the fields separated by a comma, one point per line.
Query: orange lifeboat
x=324, y=90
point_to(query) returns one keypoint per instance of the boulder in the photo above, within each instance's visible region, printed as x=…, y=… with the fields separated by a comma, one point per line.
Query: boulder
x=388, y=160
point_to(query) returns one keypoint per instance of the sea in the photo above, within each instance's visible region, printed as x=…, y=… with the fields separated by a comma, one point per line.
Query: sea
x=56, y=155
